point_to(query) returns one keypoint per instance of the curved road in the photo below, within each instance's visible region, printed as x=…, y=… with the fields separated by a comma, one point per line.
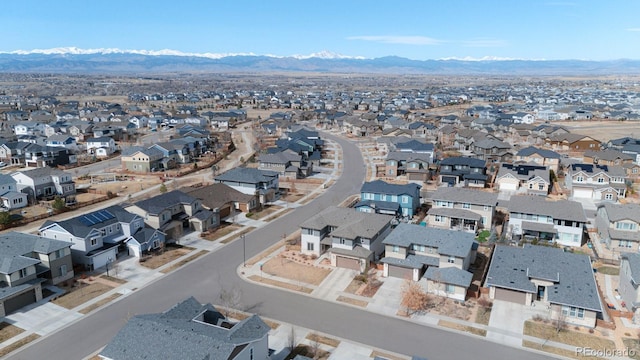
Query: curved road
x=204, y=277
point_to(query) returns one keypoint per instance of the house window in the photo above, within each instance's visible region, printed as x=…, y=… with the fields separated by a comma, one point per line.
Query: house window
x=251, y=354
x=94, y=242
x=450, y=289
x=579, y=179
x=608, y=196
x=342, y=242
x=405, y=199
x=59, y=253
x=625, y=226
x=540, y=186
x=530, y=185
x=396, y=249
x=466, y=206
x=103, y=232
x=63, y=270
x=439, y=218
x=451, y=260
x=310, y=246
x=572, y=311
x=23, y=273
x=600, y=180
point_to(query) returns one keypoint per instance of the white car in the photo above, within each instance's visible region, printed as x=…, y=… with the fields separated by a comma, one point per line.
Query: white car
x=2, y=164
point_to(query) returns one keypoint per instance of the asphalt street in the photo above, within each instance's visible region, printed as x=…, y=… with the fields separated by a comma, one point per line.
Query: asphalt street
x=206, y=276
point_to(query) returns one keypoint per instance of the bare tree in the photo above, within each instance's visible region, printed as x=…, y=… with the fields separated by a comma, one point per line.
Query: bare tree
x=561, y=322
x=230, y=299
x=414, y=299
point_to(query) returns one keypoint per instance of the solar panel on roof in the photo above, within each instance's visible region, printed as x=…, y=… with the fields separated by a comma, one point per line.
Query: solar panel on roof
x=86, y=221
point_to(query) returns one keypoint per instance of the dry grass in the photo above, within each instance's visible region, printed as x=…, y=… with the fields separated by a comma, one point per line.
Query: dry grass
x=18, y=344
x=483, y=315
x=292, y=197
x=556, y=351
x=243, y=232
x=375, y=353
x=221, y=231
x=273, y=217
x=306, y=350
x=465, y=328
x=632, y=345
x=98, y=304
x=268, y=210
x=353, y=286
x=114, y=279
x=183, y=262
x=289, y=269
x=609, y=270
x=81, y=293
x=548, y=332
x=280, y=284
x=7, y=331
x=351, y=301
x=324, y=340
x=168, y=255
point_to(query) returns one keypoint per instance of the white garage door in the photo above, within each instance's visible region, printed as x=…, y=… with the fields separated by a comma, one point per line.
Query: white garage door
x=508, y=186
x=582, y=193
x=101, y=259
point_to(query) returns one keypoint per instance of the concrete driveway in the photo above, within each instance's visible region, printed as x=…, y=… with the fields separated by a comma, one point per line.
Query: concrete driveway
x=507, y=321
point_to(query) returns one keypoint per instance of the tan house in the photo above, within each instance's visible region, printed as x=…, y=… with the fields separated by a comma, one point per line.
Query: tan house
x=536, y=156
x=618, y=226
x=461, y=209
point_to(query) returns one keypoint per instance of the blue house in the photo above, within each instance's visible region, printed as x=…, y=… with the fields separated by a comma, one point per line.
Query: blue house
x=381, y=197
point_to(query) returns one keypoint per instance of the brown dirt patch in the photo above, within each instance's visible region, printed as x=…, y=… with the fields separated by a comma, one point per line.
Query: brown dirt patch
x=79, y=293
x=98, y=304
x=451, y=308
x=570, y=337
x=352, y=301
x=7, y=331
x=323, y=340
x=224, y=229
x=292, y=197
x=281, y=284
x=632, y=344
x=158, y=259
x=465, y=328
x=267, y=210
x=286, y=266
x=18, y=344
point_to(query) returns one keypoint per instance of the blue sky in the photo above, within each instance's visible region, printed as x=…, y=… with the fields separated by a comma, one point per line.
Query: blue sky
x=415, y=29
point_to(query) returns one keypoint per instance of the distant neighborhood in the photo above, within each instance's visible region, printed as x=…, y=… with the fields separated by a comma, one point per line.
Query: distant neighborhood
x=473, y=196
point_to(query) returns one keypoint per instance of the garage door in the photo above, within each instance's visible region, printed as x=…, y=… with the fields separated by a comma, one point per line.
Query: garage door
x=507, y=186
x=512, y=296
x=400, y=272
x=582, y=193
x=19, y=301
x=349, y=263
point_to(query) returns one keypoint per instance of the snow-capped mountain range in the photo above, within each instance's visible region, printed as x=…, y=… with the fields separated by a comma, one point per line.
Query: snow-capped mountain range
x=114, y=60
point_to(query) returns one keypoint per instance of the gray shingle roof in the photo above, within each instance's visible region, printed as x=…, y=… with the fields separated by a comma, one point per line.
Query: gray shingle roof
x=382, y=187
x=561, y=209
x=14, y=244
x=189, y=330
x=455, y=213
x=381, y=205
x=448, y=242
x=463, y=160
x=449, y=275
x=617, y=212
x=348, y=222
x=247, y=175
x=528, y=151
x=408, y=156
x=574, y=284
x=462, y=195
x=157, y=204
x=634, y=265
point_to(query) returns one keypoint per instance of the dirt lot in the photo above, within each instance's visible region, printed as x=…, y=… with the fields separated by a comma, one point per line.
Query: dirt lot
x=122, y=188
x=285, y=266
x=158, y=259
x=79, y=293
x=602, y=130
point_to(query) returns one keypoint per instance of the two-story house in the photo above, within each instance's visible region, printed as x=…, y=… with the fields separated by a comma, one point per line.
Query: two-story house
x=618, y=226
x=9, y=195
x=26, y=262
x=141, y=160
x=62, y=140
x=463, y=170
x=287, y=163
x=415, y=166
x=382, y=198
x=610, y=157
x=441, y=258
x=597, y=182
x=561, y=281
x=494, y=150
x=101, y=146
x=461, y=209
x=264, y=183
x=629, y=281
x=538, y=156
x=190, y=330
x=530, y=179
x=534, y=217
x=173, y=212
x=44, y=183
x=353, y=238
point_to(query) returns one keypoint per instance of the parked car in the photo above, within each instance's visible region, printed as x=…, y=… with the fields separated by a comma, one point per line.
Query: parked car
x=2, y=164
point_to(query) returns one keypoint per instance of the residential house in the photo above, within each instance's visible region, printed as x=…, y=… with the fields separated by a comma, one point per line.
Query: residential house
x=353, y=238
x=41, y=156
x=609, y=157
x=62, y=140
x=45, y=183
x=464, y=171
x=562, y=281
x=224, y=200
x=461, y=209
x=101, y=146
x=573, y=142
x=531, y=179
x=287, y=163
x=141, y=160
x=538, y=156
x=535, y=218
x=26, y=262
x=173, y=212
x=618, y=226
x=81, y=130
x=379, y=196
x=440, y=258
x=113, y=131
x=189, y=330
x=9, y=195
x=629, y=279
x=251, y=181
x=415, y=166
x=597, y=182
x=493, y=150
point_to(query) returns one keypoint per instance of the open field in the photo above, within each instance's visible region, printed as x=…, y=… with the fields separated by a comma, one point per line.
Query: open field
x=602, y=130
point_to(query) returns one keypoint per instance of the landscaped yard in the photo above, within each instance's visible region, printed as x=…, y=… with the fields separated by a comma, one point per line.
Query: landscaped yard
x=570, y=337
x=609, y=270
x=7, y=331
x=289, y=269
x=80, y=293
x=169, y=254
